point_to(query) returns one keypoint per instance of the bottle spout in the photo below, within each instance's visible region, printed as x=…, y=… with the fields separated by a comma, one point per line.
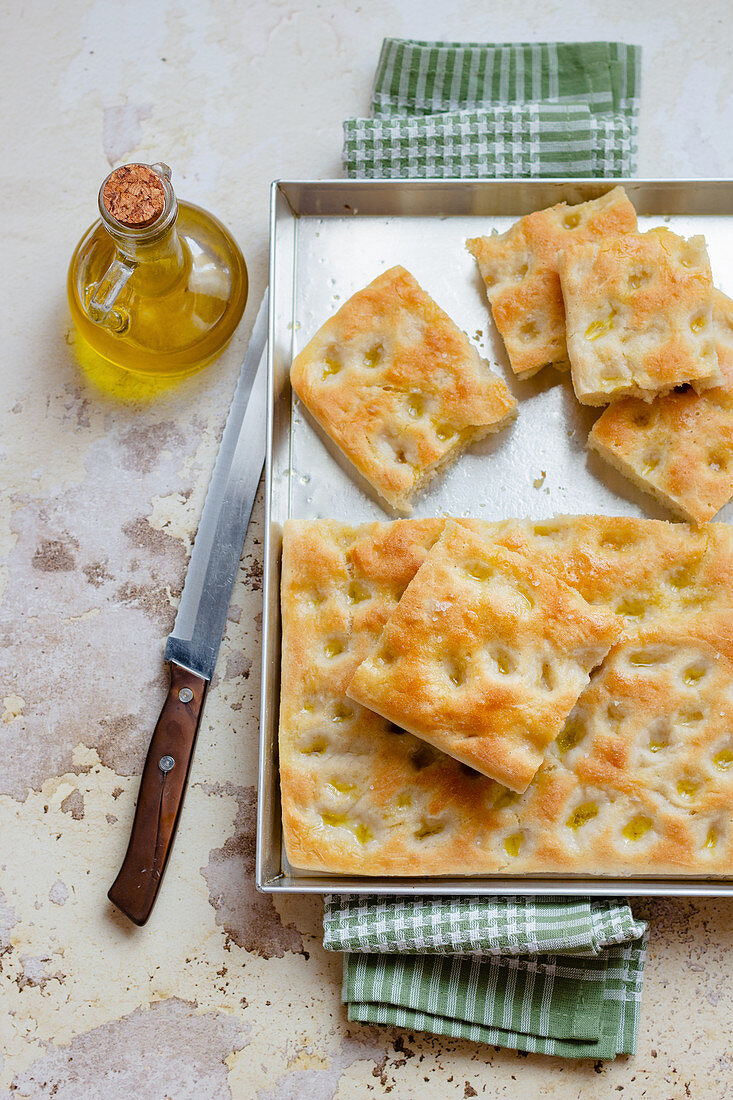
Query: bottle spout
x=162, y=169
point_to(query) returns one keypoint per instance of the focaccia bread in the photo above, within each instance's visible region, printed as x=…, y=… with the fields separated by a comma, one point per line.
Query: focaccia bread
x=680, y=448
x=669, y=676
x=362, y=797
x=339, y=585
x=643, y=570
x=650, y=749
x=639, y=315
x=398, y=387
x=519, y=268
x=485, y=656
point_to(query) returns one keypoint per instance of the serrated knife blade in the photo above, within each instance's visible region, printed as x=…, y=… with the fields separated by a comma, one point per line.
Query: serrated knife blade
x=192, y=647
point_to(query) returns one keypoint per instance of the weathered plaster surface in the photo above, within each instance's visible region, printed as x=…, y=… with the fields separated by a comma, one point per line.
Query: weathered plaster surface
x=102, y=478
x=126, y=1056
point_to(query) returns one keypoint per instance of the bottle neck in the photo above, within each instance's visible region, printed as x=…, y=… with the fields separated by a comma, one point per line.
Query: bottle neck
x=155, y=250
x=149, y=255
x=163, y=248
x=123, y=205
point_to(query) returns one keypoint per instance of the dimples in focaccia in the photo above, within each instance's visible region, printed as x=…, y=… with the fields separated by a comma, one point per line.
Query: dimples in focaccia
x=519, y=268
x=485, y=656
x=640, y=781
x=679, y=448
x=398, y=387
x=639, y=316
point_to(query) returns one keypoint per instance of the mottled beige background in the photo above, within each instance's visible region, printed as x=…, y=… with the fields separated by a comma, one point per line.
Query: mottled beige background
x=225, y=993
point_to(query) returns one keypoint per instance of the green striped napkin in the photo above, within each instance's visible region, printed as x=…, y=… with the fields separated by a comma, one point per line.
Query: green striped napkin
x=539, y=109
x=549, y=975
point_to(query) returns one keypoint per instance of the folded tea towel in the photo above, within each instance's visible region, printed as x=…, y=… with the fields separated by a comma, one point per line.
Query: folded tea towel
x=549, y=974
x=540, y=109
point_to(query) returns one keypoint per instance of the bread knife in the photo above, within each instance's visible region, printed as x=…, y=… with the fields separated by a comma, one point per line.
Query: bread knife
x=192, y=648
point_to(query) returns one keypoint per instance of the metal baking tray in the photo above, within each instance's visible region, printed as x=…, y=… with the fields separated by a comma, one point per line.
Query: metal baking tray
x=328, y=239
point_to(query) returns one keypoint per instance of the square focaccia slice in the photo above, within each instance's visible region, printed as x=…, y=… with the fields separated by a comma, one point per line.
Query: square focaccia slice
x=398, y=387
x=485, y=656
x=650, y=748
x=639, y=316
x=679, y=448
x=519, y=268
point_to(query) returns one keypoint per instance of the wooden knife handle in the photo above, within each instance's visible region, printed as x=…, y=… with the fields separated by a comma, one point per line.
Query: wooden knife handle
x=162, y=787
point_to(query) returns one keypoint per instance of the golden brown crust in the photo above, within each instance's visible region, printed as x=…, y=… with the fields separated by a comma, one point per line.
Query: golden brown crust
x=398, y=387
x=650, y=747
x=644, y=570
x=519, y=268
x=361, y=797
x=638, y=315
x=680, y=448
x=484, y=657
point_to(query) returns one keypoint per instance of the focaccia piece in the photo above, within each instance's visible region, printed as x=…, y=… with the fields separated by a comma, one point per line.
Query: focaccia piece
x=398, y=387
x=361, y=796
x=639, y=316
x=355, y=791
x=642, y=570
x=484, y=657
x=650, y=748
x=519, y=268
x=680, y=448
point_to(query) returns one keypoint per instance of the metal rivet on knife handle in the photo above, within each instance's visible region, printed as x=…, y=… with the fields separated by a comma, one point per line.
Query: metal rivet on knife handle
x=166, y=763
x=185, y=695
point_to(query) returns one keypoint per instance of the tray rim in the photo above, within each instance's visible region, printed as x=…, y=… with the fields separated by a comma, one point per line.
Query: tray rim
x=268, y=807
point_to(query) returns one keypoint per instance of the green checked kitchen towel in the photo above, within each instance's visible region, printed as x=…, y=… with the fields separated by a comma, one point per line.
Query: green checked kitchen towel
x=551, y=975
x=539, y=109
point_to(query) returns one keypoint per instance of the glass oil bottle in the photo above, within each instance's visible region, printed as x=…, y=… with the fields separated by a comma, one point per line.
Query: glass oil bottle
x=156, y=286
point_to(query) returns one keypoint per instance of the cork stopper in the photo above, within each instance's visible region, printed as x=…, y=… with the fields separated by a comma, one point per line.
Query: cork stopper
x=134, y=196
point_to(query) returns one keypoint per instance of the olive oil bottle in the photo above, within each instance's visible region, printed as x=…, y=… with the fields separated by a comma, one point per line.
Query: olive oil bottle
x=155, y=286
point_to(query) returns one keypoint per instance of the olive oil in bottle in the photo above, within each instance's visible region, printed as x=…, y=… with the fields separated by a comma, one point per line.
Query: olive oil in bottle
x=156, y=287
